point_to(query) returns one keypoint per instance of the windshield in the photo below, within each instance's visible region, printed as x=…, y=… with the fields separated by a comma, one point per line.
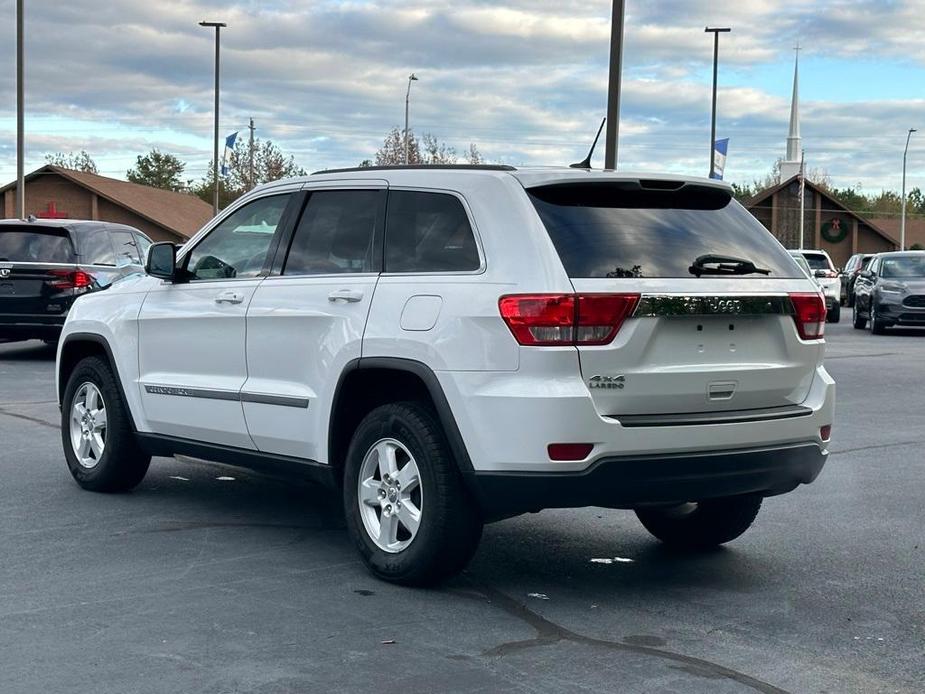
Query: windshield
x=904, y=267
x=620, y=229
x=36, y=246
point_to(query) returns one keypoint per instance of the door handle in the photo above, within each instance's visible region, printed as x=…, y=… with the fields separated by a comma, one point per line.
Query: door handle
x=349, y=296
x=229, y=297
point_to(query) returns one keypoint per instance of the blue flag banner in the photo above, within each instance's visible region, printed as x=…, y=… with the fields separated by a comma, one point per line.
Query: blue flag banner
x=229, y=149
x=720, y=147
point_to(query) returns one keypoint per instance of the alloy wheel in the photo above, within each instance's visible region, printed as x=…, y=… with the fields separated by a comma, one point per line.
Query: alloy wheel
x=390, y=495
x=88, y=425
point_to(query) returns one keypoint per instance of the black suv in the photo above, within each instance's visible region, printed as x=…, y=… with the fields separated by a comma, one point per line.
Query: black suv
x=46, y=264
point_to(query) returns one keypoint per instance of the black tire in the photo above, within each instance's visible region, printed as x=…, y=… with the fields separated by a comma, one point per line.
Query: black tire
x=701, y=525
x=876, y=325
x=851, y=300
x=450, y=524
x=123, y=464
x=834, y=315
x=859, y=322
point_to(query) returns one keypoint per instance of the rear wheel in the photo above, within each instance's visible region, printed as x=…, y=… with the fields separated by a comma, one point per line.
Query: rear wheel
x=702, y=524
x=834, y=315
x=99, y=444
x=407, y=508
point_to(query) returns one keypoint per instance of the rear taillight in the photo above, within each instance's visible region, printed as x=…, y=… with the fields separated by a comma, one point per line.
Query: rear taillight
x=70, y=279
x=809, y=314
x=540, y=320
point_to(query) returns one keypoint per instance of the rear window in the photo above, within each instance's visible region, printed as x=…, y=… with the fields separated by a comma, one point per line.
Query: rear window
x=817, y=261
x=35, y=246
x=624, y=230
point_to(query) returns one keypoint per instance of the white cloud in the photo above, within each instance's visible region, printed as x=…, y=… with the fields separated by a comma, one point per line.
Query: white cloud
x=525, y=79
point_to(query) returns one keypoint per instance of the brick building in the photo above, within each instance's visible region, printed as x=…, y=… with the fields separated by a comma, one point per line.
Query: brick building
x=827, y=224
x=56, y=193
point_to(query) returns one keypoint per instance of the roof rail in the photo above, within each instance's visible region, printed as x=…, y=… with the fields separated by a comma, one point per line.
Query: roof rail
x=418, y=167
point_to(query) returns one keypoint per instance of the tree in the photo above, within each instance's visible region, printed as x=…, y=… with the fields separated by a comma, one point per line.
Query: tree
x=158, y=170
x=270, y=164
x=392, y=152
x=75, y=161
x=429, y=150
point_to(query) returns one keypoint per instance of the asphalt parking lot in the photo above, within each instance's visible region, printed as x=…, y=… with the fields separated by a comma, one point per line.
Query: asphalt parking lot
x=211, y=579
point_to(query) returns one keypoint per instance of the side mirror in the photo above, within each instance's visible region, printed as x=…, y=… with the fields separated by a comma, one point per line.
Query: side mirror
x=162, y=261
x=820, y=273
x=866, y=274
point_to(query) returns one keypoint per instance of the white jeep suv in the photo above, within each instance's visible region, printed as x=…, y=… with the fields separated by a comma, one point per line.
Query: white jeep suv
x=449, y=346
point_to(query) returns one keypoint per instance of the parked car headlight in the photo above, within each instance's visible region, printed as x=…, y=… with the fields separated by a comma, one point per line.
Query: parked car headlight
x=892, y=288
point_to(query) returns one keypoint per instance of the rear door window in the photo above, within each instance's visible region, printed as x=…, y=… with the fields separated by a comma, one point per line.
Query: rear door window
x=35, y=246
x=336, y=234
x=619, y=229
x=126, y=250
x=429, y=232
x=95, y=247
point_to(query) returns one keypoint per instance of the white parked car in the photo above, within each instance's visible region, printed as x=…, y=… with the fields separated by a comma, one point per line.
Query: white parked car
x=449, y=346
x=829, y=278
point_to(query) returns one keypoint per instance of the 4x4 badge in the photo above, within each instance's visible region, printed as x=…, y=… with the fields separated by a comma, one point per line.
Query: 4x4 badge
x=607, y=382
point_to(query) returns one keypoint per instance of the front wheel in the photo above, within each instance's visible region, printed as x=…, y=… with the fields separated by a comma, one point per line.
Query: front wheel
x=859, y=321
x=99, y=443
x=877, y=326
x=702, y=524
x=407, y=508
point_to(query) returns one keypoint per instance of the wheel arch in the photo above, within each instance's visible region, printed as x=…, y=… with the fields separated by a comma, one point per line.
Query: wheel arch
x=78, y=346
x=364, y=384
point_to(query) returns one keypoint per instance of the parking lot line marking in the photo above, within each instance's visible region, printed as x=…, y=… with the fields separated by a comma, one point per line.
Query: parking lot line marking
x=26, y=417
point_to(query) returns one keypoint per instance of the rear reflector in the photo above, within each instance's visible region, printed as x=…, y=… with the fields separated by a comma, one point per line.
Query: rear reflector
x=67, y=279
x=566, y=319
x=569, y=451
x=809, y=314
x=825, y=433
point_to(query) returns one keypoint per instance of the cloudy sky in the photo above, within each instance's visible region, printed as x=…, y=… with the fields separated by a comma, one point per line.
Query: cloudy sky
x=524, y=79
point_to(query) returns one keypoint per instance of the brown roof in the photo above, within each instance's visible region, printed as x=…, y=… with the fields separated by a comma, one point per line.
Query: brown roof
x=763, y=195
x=915, y=228
x=180, y=213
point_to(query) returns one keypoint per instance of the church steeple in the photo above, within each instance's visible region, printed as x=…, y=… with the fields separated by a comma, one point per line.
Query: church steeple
x=790, y=166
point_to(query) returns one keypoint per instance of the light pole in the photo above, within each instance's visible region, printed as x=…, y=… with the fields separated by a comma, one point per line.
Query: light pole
x=902, y=219
x=20, y=115
x=613, y=87
x=716, y=31
x=411, y=78
x=218, y=29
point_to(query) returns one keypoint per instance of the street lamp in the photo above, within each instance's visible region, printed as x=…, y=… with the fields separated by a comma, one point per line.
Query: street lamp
x=716, y=31
x=411, y=78
x=20, y=116
x=902, y=219
x=218, y=28
x=613, y=86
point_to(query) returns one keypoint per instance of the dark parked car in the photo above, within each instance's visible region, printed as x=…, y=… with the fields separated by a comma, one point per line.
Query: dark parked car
x=849, y=276
x=891, y=291
x=46, y=264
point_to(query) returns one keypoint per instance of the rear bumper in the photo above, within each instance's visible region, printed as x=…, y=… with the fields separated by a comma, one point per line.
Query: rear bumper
x=27, y=327
x=631, y=482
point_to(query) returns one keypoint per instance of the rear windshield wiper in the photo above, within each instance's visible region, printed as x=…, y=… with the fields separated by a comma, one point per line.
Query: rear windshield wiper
x=724, y=265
